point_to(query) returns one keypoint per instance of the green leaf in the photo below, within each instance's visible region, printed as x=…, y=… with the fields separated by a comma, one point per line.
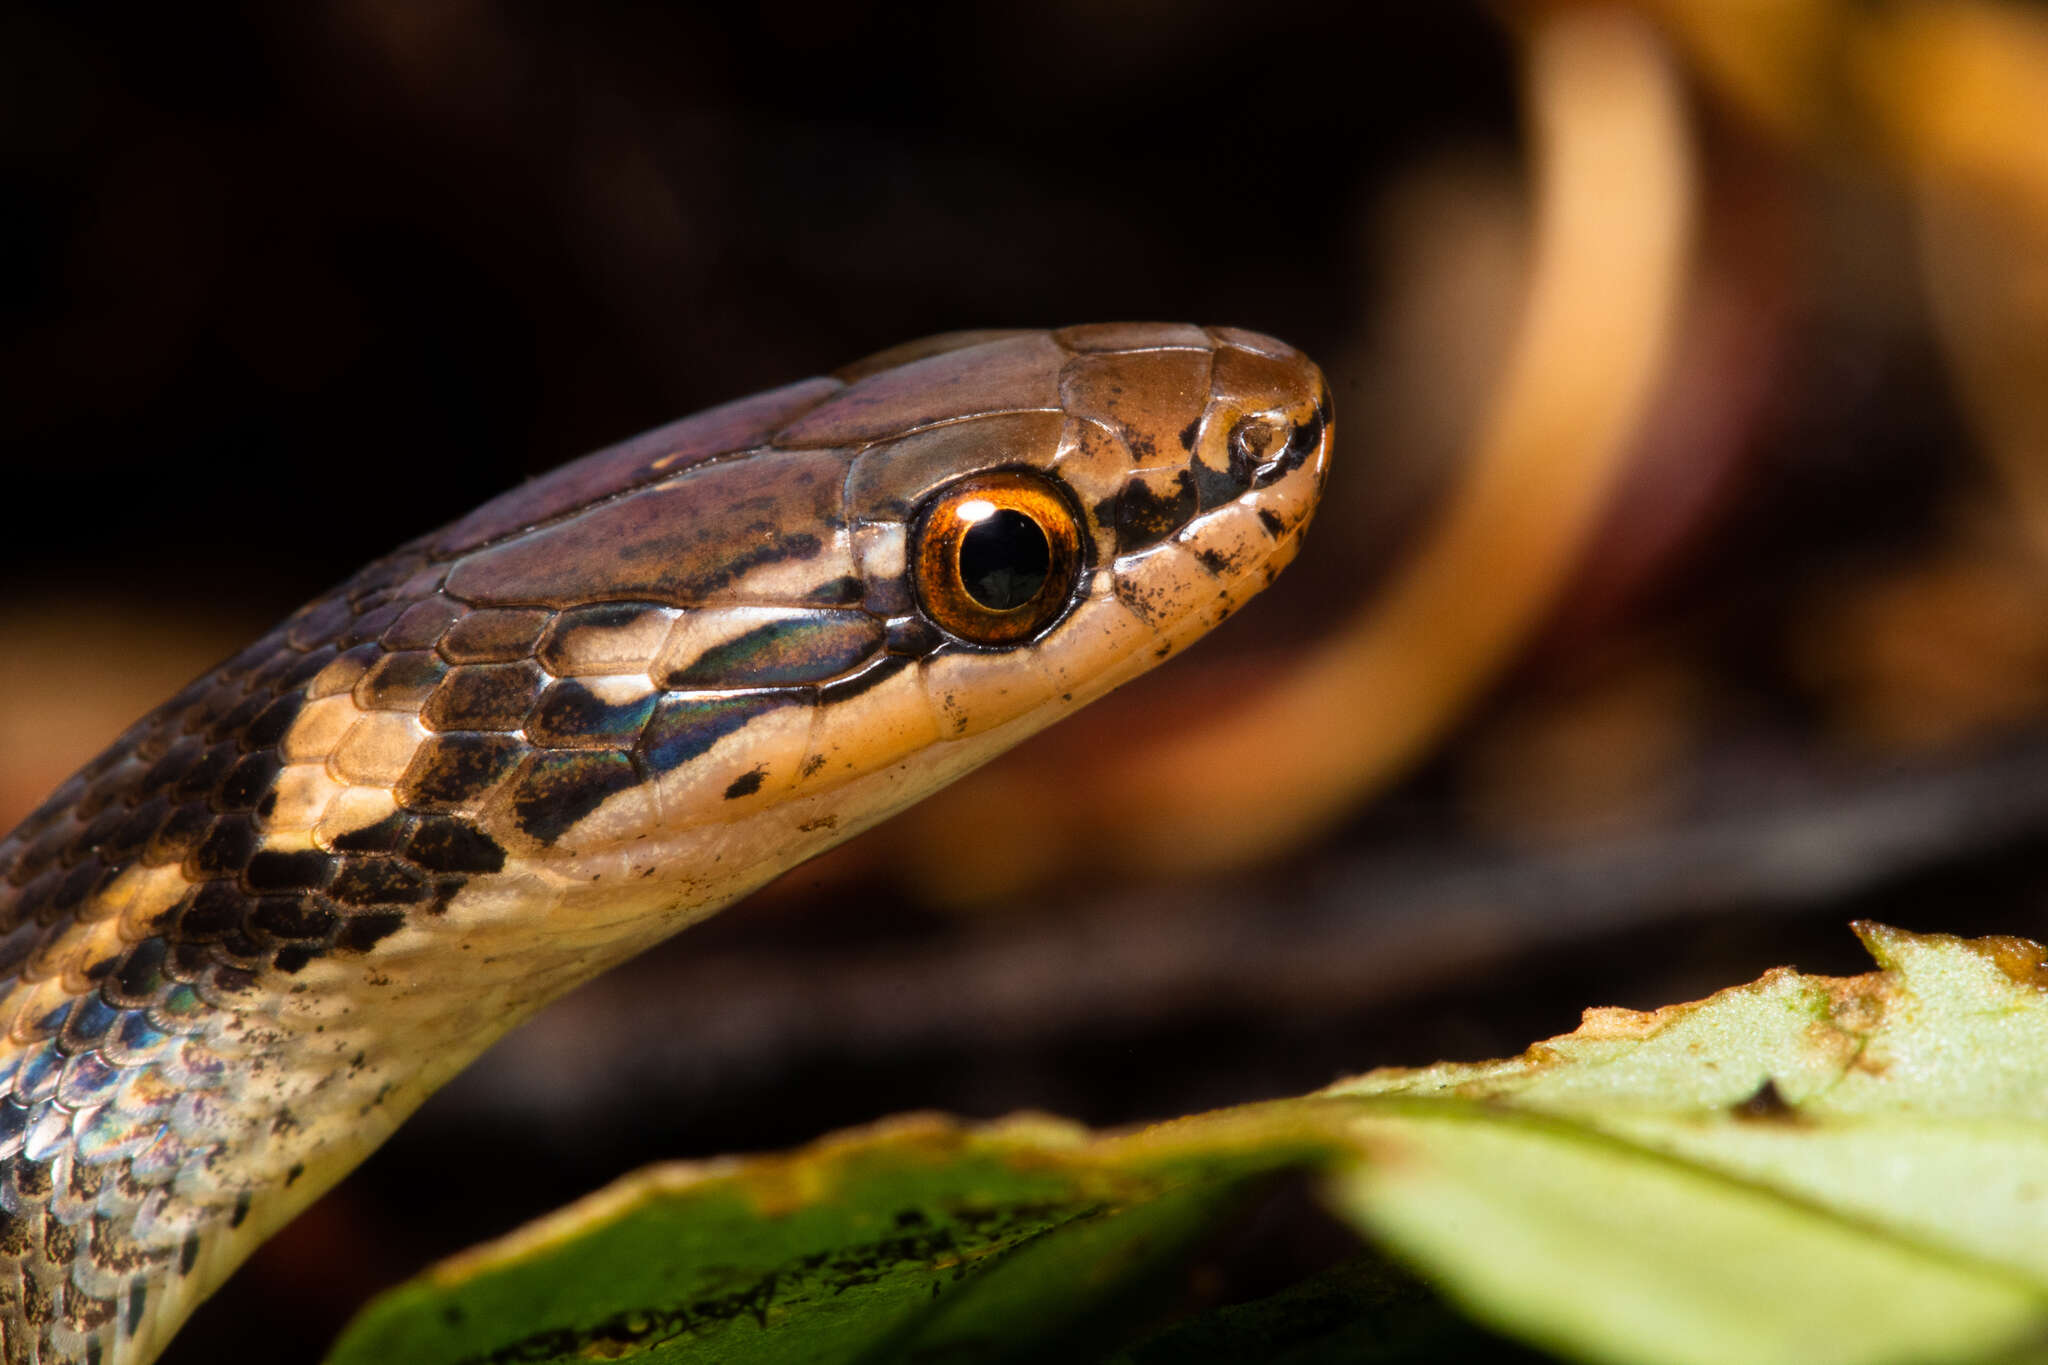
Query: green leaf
x=918, y=1238
x=1802, y=1169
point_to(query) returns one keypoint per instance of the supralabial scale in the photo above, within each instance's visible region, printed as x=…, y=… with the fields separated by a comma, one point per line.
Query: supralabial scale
x=249, y=938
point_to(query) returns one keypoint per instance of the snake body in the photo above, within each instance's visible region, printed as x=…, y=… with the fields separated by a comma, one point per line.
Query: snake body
x=241, y=945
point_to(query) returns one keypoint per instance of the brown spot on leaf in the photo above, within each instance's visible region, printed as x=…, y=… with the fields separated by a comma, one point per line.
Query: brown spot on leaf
x=2025, y=961
x=1768, y=1104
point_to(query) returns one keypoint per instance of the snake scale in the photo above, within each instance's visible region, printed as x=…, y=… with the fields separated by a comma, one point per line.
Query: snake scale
x=241, y=945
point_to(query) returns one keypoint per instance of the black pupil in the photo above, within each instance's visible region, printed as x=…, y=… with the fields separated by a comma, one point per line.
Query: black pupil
x=1003, y=560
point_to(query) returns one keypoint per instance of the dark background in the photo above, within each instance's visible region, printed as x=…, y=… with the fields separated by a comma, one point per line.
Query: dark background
x=329, y=273
x=289, y=284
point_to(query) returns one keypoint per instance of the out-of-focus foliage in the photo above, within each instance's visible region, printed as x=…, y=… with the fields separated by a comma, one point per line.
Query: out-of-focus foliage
x=1804, y=1168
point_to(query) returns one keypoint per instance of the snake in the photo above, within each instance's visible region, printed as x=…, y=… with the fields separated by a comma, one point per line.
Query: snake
x=246, y=941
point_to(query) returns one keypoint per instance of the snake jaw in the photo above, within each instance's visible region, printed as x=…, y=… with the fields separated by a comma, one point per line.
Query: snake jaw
x=242, y=945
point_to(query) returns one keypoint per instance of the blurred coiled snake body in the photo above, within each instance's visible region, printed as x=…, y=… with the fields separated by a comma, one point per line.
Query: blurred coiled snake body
x=246, y=941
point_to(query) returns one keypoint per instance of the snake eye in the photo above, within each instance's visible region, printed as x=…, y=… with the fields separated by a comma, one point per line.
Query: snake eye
x=995, y=556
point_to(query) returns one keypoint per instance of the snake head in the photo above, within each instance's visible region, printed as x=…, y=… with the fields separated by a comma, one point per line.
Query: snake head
x=770, y=625
x=634, y=688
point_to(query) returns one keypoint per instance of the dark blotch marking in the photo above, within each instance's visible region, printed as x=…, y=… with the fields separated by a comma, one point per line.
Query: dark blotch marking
x=485, y=697
x=1215, y=561
x=32, y=1178
x=294, y=918
x=188, y=1255
x=378, y=881
x=1145, y=517
x=836, y=592
x=1189, y=432
x=241, y=1213
x=571, y=716
x=383, y=837
x=229, y=844
x=360, y=933
x=451, y=770
x=291, y=1177
x=242, y=947
x=1214, y=487
x=400, y=682
x=138, y=1296
x=686, y=729
x=297, y=870
x=1270, y=519
x=248, y=780
x=443, y=844
x=445, y=890
x=746, y=784
x=142, y=973
x=558, y=789
x=233, y=980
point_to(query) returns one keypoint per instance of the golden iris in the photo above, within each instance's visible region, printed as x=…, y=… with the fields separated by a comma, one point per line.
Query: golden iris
x=995, y=556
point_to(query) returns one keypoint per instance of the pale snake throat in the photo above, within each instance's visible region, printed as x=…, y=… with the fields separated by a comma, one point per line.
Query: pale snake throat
x=247, y=940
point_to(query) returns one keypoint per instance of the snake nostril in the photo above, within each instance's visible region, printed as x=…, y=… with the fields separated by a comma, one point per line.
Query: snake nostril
x=1255, y=443
x=1256, y=438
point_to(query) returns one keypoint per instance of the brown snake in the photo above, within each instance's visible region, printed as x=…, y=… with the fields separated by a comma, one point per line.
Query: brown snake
x=247, y=940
